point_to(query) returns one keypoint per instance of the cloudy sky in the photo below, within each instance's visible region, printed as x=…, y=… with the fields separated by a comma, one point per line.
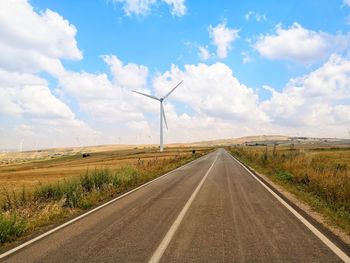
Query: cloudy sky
x=67, y=69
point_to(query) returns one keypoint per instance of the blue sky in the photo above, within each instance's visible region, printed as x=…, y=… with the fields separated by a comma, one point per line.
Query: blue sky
x=249, y=67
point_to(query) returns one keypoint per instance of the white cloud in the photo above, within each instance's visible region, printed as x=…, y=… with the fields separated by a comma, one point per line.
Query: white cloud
x=137, y=7
x=203, y=53
x=110, y=100
x=35, y=113
x=317, y=104
x=25, y=94
x=223, y=37
x=36, y=41
x=131, y=76
x=319, y=99
x=217, y=104
x=347, y=2
x=248, y=15
x=39, y=134
x=143, y=7
x=246, y=57
x=258, y=17
x=178, y=7
x=347, y=20
x=300, y=45
x=31, y=42
x=138, y=127
x=106, y=103
x=212, y=91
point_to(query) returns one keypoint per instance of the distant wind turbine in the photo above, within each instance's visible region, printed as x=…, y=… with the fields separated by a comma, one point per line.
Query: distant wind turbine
x=21, y=145
x=162, y=113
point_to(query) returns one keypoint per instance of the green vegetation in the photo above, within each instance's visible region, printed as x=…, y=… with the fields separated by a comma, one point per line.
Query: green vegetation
x=23, y=211
x=11, y=227
x=320, y=177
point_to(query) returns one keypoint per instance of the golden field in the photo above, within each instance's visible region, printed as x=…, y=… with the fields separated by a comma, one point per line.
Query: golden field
x=30, y=168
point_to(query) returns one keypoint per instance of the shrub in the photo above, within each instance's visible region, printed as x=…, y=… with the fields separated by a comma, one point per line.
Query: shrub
x=10, y=227
x=95, y=180
x=127, y=176
x=87, y=182
x=48, y=192
x=285, y=176
x=73, y=193
x=264, y=158
x=13, y=200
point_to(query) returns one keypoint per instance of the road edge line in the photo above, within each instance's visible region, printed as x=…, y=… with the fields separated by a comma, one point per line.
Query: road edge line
x=31, y=241
x=335, y=249
x=158, y=253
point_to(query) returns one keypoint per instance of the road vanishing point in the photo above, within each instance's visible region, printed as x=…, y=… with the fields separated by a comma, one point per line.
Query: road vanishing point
x=210, y=210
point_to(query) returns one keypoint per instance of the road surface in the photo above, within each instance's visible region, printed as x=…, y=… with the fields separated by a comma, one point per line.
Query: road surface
x=211, y=210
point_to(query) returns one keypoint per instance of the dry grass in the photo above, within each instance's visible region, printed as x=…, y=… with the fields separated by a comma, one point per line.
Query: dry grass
x=14, y=176
x=320, y=176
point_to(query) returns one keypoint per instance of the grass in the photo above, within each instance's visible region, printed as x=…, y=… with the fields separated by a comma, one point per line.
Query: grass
x=24, y=211
x=11, y=227
x=320, y=176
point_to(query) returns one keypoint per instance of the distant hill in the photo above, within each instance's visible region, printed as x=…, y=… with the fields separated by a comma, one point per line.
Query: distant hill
x=241, y=140
x=19, y=157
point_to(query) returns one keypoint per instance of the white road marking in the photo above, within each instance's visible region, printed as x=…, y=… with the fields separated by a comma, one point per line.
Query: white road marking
x=313, y=229
x=157, y=255
x=11, y=251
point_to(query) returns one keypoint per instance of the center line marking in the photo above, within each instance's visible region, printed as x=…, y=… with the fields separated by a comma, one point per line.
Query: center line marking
x=169, y=235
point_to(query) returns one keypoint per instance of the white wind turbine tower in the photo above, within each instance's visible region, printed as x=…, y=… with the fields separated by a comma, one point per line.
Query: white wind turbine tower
x=21, y=145
x=162, y=113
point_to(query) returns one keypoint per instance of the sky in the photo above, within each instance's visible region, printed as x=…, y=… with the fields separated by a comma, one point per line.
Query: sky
x=68, y=68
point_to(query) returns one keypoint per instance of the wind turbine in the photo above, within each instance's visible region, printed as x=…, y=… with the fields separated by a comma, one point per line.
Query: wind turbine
x=162, y=113
x=21, y=145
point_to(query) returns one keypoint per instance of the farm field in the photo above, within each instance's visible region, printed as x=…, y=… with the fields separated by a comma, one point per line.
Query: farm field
x=43, y=192
x=45, y=170
x=320, y=176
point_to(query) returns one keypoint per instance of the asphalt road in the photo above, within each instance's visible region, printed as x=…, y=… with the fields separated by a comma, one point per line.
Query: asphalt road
x=209, y=211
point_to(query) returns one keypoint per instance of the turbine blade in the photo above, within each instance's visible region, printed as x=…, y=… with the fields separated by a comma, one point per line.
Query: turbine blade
x=150, y=96
x=167, y=95
x=163, y=114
